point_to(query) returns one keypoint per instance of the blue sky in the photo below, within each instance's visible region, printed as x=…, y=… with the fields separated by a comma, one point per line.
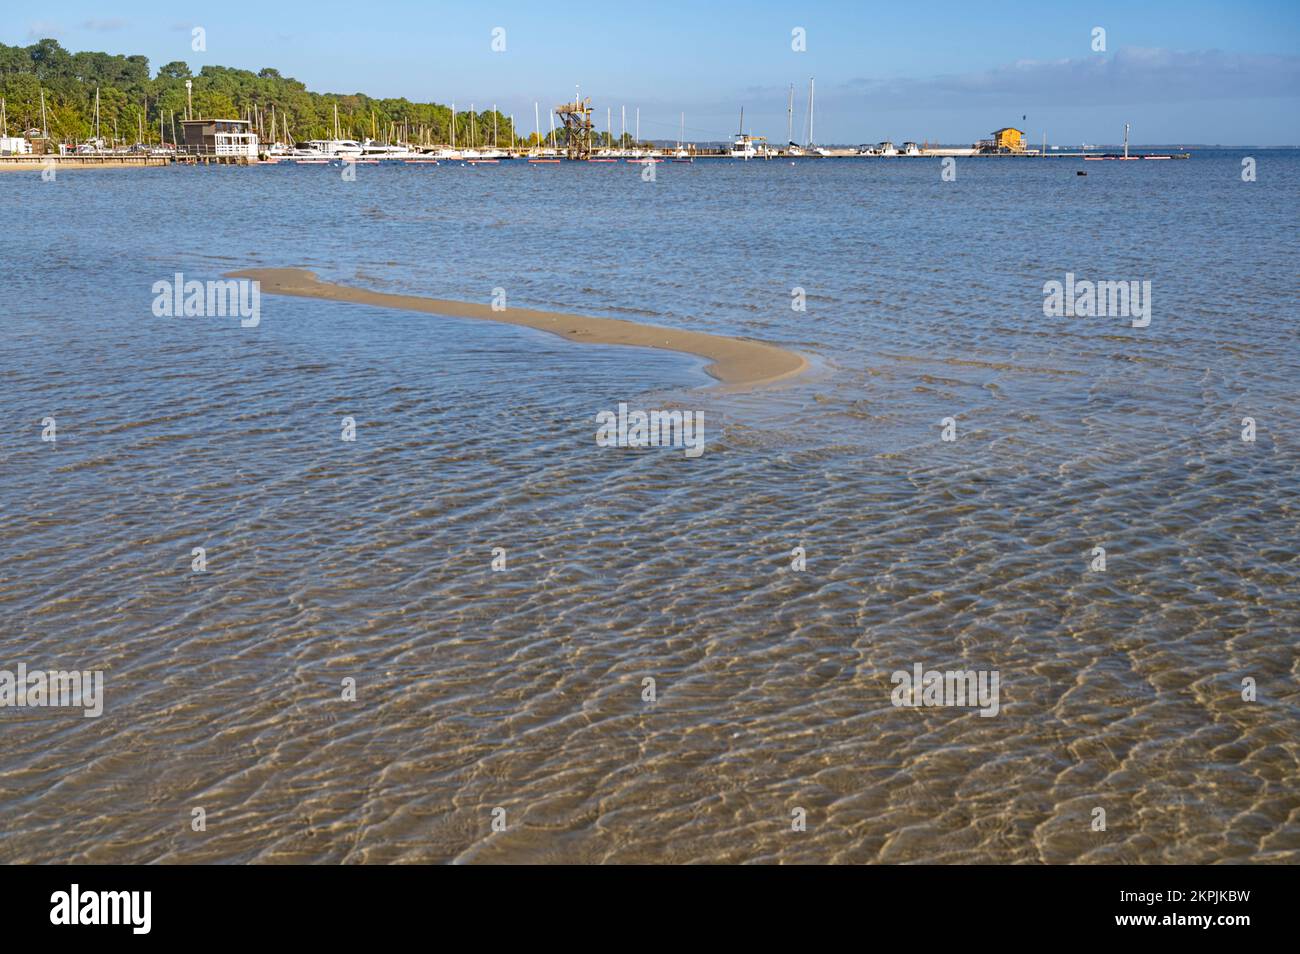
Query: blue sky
x=1192, y=71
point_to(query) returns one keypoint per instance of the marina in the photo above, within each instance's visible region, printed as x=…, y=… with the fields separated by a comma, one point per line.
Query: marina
x=239, y=141
x=744, y=150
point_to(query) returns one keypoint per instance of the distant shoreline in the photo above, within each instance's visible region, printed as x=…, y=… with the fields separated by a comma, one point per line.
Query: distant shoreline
x=738, y=363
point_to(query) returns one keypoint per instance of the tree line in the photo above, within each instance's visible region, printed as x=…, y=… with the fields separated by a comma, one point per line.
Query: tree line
x=137, y=107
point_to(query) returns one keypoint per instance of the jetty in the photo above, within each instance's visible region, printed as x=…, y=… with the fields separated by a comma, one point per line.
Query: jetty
x=36, y=163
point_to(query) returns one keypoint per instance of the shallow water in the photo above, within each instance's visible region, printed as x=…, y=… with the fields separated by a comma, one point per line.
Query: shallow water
x=522, y=689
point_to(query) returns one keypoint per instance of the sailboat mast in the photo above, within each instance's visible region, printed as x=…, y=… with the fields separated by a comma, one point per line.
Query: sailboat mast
x=789, y=116
x=810, y=111
x=805, y=116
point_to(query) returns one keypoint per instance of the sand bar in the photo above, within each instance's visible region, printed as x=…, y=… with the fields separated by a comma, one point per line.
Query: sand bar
x=736, y=362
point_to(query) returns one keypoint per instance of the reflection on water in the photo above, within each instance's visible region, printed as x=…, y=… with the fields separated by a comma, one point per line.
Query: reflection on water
x=523, y=689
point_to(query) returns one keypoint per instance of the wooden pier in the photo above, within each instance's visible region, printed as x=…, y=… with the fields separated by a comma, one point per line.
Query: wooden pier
x=36, y=163
x=188, y=159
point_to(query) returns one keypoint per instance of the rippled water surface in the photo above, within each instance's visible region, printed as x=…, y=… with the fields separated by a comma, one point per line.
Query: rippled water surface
x=523, y=689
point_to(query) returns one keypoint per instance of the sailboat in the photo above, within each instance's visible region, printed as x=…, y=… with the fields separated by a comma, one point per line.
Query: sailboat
x=448, y=151
x=681, y=155
x=606, y=154
x=748, y=147
x=792, y=148
x=494, y=154
x=470, y=154
x=742, y=148
x=812, y=149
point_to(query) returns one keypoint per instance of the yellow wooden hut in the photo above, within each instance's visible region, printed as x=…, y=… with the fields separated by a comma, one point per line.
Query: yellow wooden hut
x=1009, y=140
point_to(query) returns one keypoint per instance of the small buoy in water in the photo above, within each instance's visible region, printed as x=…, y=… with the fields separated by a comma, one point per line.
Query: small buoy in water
x=1080, y=172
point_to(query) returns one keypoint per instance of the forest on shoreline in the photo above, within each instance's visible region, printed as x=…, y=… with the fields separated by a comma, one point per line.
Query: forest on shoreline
x=136, y=106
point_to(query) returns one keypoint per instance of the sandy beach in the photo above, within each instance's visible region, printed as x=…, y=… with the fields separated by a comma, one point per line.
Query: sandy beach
x=738, y=363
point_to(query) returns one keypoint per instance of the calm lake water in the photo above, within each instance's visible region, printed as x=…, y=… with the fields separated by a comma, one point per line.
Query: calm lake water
x=522, y=690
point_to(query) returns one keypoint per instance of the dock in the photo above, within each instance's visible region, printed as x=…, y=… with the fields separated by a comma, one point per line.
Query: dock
x=190, y=159
x=36, y=163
